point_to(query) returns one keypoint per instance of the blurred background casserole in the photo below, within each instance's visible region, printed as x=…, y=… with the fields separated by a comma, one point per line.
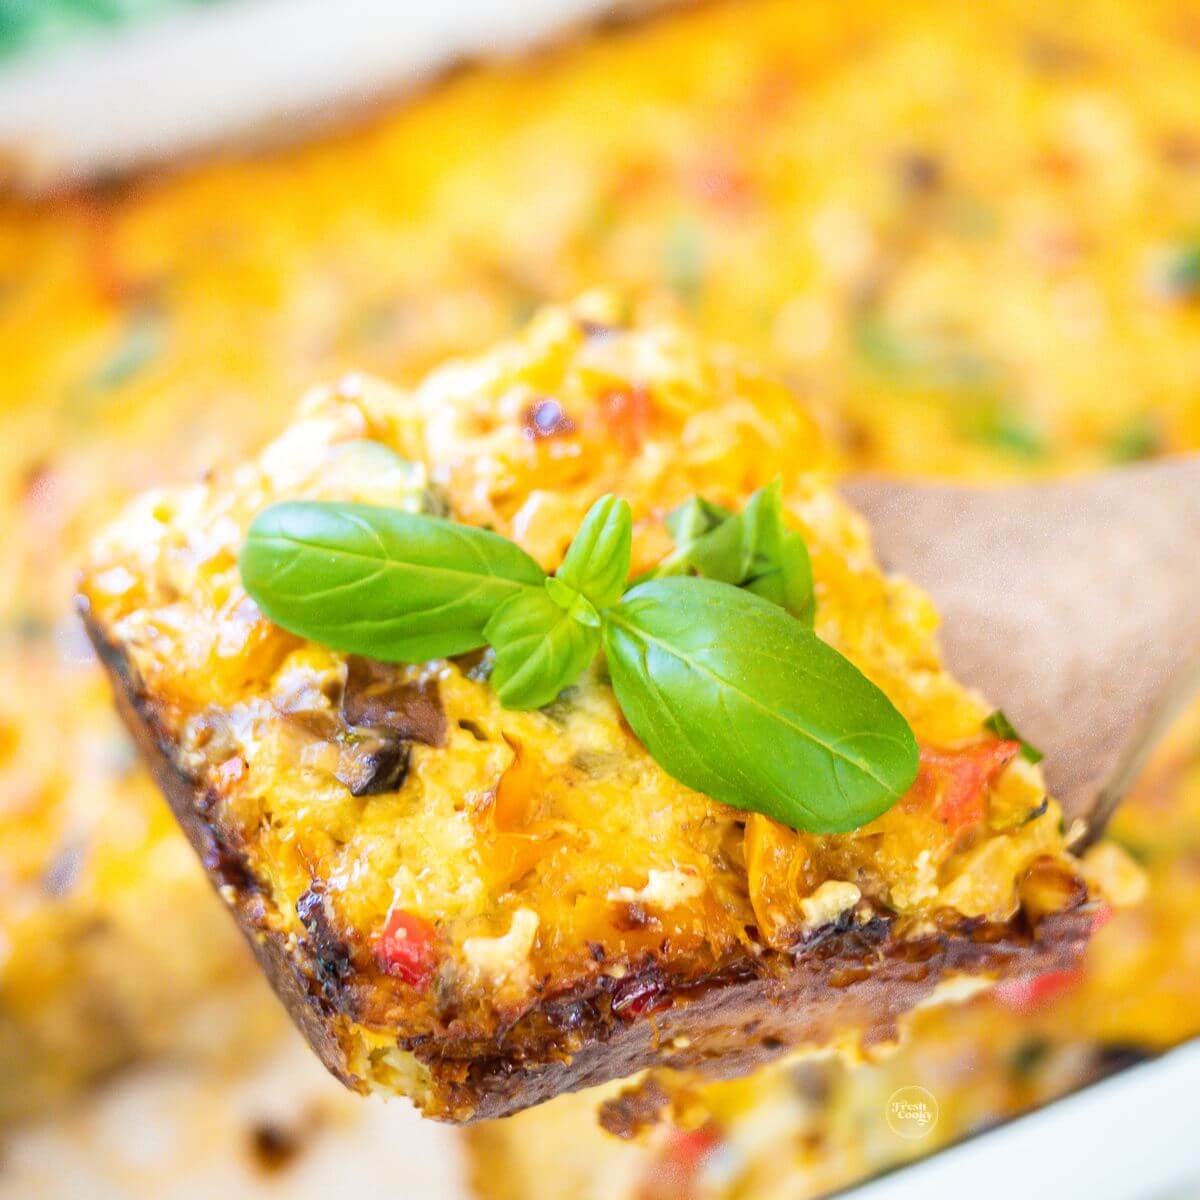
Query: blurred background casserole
x=968, y=235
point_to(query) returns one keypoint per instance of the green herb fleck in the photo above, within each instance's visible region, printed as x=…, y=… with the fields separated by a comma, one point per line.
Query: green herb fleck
x=880, y=348
x=1139, y=438
x=142, y=340
x=996, y=423
x=683, y=262
x=1028, y=1056
x=972, y=387
x=1039, y=810
x=1002, y=727
x=1176, y=272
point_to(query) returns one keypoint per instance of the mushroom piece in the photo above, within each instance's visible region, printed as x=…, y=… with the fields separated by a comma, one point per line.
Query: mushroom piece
x=384, y=713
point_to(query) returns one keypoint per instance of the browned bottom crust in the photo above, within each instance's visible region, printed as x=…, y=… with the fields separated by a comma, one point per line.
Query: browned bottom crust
x=845, y=977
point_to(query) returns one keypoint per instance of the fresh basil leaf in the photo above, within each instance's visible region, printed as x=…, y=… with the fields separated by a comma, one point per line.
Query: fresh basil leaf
x=708, y=541
x=753, y=549
x=1002, y=727
x=540, y=649
x=799, y=591
x=776, y=563
x=694, y=518
x=719, y=554
x=736, y=699
x=573, y=602
x=380, y=582
x=597, y=562
x=790, y=585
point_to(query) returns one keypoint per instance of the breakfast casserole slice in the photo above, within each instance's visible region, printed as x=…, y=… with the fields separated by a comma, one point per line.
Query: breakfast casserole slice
x=474, y=875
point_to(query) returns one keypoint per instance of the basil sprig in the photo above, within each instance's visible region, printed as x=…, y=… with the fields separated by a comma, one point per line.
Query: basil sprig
x=729, y=691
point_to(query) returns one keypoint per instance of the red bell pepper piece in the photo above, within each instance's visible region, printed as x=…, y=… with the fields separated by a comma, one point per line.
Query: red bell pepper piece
x=405, y=949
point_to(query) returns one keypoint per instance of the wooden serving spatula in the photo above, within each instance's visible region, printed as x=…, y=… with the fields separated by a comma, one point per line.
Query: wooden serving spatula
x=1074, y=605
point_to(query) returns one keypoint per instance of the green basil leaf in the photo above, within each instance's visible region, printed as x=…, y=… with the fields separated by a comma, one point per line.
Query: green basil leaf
x=380, y=582
x=1002, y=727
x=573, y=602
x=540, y=649
x=790, y=584
x=714, y=551
x=753, y=549
x=597, y=562
x=776, y=565
x=694, y=518
x=736, y=699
